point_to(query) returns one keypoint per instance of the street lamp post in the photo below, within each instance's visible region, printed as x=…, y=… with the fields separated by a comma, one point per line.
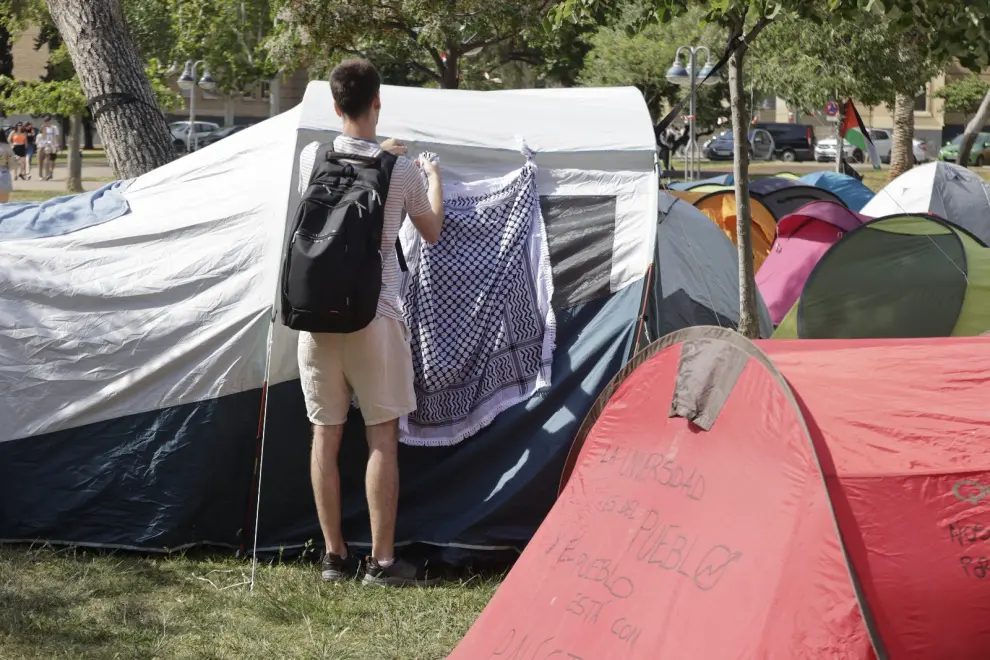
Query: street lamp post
x=688, y=77
x=187, y=81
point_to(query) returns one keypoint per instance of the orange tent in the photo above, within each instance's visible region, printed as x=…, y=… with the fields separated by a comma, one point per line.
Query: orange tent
x=721, y=208
x=777, y=499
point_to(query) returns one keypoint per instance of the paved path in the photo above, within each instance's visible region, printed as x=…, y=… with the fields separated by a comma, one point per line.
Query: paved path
x=96, y=173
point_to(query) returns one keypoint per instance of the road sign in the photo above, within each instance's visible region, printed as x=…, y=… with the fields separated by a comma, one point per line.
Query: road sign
x=832, y=111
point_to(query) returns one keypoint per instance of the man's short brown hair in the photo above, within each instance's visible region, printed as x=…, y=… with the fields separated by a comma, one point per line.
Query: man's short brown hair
x=355, y=84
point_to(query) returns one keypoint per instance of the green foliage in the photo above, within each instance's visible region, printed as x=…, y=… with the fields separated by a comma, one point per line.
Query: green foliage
x=152, y=26
x=866, y=58
x=315, y=32
x=726, y=13
x=29, y=97
x=958, y=28
x=15, y=15
x=229, y=35
x=964, y=95
x=641, y=59
x=64, y=97
x=168, y=100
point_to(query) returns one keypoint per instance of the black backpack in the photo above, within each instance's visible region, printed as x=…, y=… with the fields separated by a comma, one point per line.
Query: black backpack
x=332, y=267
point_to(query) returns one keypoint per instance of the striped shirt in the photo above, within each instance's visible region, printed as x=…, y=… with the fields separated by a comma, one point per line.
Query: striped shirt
x=406, y=195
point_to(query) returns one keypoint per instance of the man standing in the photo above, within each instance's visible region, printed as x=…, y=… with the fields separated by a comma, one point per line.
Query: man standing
x=374, y=363
x=48, y=143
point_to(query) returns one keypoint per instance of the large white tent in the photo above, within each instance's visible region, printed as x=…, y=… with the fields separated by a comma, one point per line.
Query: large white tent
x=135, y=351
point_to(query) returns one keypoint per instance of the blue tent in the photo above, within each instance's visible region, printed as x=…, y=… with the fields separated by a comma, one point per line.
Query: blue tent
x=721, y=180
x=849, y=190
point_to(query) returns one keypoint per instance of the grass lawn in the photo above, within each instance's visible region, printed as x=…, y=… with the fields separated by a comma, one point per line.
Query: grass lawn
x=876, y=180
x=35, y=195
x=74, y=604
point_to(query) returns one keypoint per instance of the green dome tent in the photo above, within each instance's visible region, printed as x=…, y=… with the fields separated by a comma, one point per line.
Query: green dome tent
x=901, y=276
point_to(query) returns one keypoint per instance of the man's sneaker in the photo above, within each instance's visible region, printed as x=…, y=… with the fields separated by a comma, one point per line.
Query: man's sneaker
x=338, y=569
x=400, y=573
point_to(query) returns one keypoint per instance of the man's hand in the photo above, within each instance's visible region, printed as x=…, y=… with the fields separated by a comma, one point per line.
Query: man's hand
x=394, y=147
x=429, y=167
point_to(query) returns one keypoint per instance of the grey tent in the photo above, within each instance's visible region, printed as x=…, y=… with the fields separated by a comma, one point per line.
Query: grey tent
x=943, y=189
x=695, y=274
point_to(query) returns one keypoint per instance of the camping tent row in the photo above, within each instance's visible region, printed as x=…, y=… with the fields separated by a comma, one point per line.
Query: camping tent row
x=771, y=199
x=908, y=275
x=730, y=499
x=851, y=191
x=905, y=275
x=140, y=343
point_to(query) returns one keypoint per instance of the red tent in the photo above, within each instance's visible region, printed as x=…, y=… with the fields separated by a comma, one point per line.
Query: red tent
x=695, y=522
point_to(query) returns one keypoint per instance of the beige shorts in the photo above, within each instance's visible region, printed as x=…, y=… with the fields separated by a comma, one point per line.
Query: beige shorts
x=374, y=363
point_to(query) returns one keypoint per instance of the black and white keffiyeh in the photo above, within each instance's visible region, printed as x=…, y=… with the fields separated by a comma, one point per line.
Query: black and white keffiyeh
x=477, y=305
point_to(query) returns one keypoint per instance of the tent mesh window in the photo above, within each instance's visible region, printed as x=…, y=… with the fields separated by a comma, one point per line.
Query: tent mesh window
x=581, y=237
x=903, y=277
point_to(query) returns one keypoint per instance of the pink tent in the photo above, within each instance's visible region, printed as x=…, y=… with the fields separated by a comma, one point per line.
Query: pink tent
x=802, y=238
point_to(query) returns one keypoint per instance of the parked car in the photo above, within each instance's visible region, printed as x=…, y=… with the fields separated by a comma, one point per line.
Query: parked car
x=792, y=142
x=979, y=155
x=219, y=134
x=721, y=147
x=182, y=137
x=825, y=150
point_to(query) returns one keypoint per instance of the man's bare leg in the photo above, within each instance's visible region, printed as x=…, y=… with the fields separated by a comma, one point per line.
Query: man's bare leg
x=382, y=485
x=326, y=485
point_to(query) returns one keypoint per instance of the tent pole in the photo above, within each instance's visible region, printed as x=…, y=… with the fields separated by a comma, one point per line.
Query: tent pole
x=261, y=450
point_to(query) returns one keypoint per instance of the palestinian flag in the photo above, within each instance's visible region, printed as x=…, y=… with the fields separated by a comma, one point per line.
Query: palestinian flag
x=855, y=133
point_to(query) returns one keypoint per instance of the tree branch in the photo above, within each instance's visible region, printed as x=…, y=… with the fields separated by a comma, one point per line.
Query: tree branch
x=530, y=56
x=755, y=32
x=427, y=70
x=355, y=52
x=481, y=43
x=402, y=27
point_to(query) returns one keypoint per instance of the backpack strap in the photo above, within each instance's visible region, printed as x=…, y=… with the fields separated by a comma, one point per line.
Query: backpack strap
x=400, y=256
x=326, y=152
x=389, y=160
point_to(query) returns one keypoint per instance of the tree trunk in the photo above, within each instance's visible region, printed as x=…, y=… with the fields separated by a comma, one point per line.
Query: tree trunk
x=902, y=141
x=228, y=110
x=749, y=319
x=6, y=53
x=450, y=76
x=840, y=147
x=74, y=181
x=275, y=95
x=973, y=129
x=87, y=133
x=132, y=127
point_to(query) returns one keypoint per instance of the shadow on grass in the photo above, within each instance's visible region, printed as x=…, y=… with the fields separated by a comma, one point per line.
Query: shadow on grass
x=76, y=603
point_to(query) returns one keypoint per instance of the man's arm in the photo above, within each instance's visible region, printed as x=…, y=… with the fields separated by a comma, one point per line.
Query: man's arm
x=425, y=207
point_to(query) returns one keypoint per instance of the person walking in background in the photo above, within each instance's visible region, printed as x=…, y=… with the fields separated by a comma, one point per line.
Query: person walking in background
x=49, y=142
x=8, y=162
x=665, y=141
x=31, y=134
x=18, y=141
